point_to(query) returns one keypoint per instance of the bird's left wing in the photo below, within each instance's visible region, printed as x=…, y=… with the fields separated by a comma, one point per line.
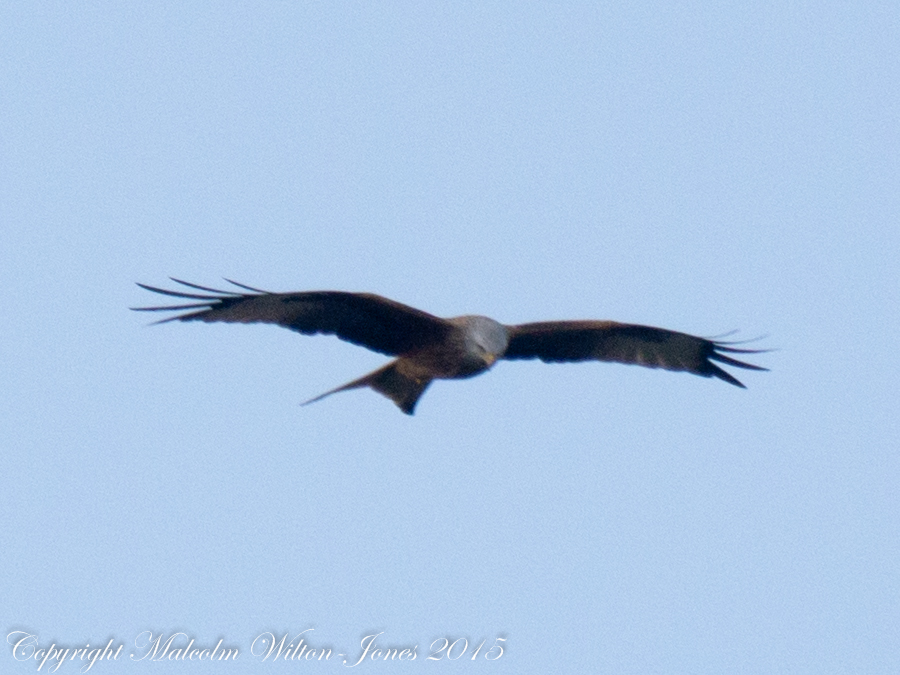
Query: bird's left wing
x=559, y=341
x=368, y=320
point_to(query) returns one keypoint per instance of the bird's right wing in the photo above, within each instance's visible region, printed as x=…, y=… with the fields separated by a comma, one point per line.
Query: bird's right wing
x=560, y=341
x=368, y=320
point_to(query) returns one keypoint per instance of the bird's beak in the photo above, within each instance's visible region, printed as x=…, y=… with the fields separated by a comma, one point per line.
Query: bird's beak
x=489, y=359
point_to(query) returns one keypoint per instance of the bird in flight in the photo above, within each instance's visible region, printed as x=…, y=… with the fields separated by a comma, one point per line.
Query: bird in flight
x=429, y=348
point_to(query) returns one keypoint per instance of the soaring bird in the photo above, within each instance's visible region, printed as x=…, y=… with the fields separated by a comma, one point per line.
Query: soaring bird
x=429, y=348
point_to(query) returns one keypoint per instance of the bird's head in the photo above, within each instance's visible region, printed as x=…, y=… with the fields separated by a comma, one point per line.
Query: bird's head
x=486, y=339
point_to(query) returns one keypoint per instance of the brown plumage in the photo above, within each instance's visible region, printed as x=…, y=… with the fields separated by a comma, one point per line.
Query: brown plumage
x=429, y=347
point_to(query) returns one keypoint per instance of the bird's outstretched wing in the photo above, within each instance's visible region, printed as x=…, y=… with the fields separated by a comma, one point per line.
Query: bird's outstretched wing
x=364, y=319
x=558, y=341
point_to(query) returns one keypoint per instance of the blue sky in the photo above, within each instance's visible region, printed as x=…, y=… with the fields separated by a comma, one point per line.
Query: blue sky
x=702, y=167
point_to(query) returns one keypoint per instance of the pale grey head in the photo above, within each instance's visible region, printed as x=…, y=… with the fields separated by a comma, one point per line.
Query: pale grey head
x=485, y=341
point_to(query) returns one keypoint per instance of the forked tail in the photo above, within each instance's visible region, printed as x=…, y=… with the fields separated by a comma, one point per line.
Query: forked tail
x=403, y=390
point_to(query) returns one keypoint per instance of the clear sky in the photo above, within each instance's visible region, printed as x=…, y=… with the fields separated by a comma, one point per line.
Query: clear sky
x=699, y=166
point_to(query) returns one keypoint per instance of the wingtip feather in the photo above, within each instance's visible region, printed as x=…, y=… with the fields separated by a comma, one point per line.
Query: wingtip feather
x=244, y=286
x=724, y=375
x=202, y=288
x=175, y=294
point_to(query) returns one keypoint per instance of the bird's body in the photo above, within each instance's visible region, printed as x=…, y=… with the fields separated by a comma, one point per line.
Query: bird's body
x=428, y=347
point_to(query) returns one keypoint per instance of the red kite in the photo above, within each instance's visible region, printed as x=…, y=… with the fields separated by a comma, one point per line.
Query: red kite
x=430, y=348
